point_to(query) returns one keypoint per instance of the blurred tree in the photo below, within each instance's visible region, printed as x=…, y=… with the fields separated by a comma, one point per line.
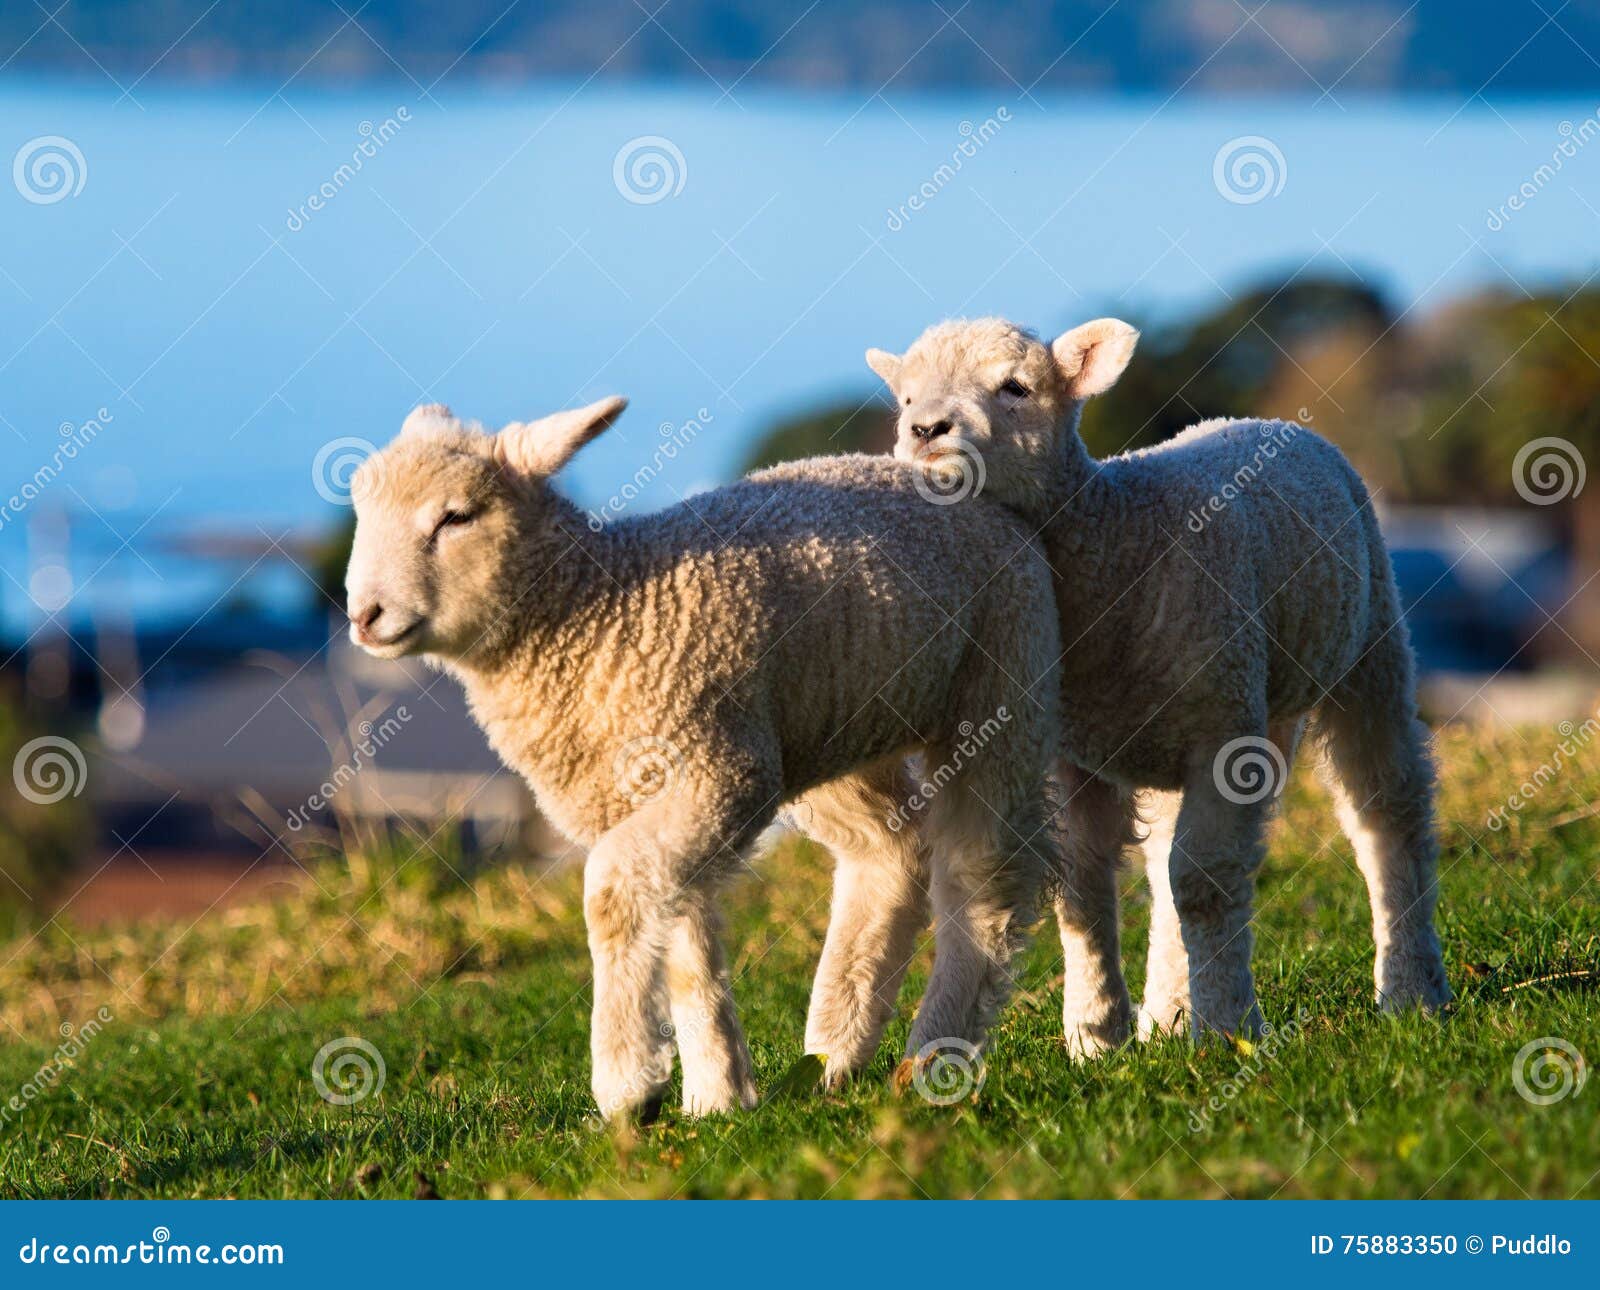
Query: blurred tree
x=1509, y=387
x=847, y=426
x=1232, y=362
x=329, y=561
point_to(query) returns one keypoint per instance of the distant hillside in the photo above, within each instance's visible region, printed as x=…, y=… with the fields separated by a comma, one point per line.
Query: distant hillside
x=1289, y=46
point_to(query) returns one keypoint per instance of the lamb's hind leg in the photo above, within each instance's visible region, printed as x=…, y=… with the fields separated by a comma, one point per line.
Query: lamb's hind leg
x=880, y=903
x=717, y=1071
x=1165, y=1005
x=1382, y=777
x=1216, y=849
x=990, y=849
x=1096, y=823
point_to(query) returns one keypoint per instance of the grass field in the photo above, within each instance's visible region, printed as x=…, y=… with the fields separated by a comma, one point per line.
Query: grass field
x=196, y=1080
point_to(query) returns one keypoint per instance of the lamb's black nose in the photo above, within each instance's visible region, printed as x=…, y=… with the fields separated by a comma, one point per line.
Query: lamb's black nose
x=931, y=431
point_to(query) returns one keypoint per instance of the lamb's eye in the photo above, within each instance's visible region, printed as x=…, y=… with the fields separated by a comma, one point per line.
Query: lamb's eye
x=452, y=519
x=1016, y=389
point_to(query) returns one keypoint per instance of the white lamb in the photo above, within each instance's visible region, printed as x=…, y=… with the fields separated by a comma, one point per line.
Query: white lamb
x=666, y=683
x=1215, y=592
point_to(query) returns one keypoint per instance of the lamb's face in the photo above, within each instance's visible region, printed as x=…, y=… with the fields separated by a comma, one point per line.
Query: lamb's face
x=992, y=390
x=433, y=520
x=983, y=387
x=442, y=515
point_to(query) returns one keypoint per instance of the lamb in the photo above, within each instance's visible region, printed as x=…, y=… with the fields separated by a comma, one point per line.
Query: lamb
x=1216, y=593
x=665, y=683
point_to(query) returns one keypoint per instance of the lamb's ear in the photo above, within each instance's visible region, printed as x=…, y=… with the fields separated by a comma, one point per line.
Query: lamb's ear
x=430, y=416
x=885, y=364
x=540, y=448
x=1092, y=357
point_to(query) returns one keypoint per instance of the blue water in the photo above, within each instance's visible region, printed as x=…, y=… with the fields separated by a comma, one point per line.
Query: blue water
x=484, y=256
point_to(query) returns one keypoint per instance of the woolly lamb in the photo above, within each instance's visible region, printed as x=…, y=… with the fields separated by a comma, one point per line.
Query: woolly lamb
x=665, y=683
x=1215, y=592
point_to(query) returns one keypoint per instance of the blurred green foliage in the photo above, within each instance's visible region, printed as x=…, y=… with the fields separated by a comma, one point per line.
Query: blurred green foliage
x=850, y=425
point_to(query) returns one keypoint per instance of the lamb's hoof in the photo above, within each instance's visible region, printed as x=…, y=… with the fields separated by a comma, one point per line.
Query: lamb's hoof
x=942, y=1073
x=634, y=1110
x=1161, y=1023
x=1422, y=987
x=720, y=1100
x=1085, y=1043
x=1244, y=1023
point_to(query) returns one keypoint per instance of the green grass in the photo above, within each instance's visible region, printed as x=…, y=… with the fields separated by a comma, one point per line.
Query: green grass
x=476, y=995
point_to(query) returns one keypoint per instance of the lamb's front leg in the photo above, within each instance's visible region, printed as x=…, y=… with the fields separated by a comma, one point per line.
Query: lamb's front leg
x=717, y=1071
x=640, y=879
x=624, y=909
x=1216, y=849
x=1095, y=824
